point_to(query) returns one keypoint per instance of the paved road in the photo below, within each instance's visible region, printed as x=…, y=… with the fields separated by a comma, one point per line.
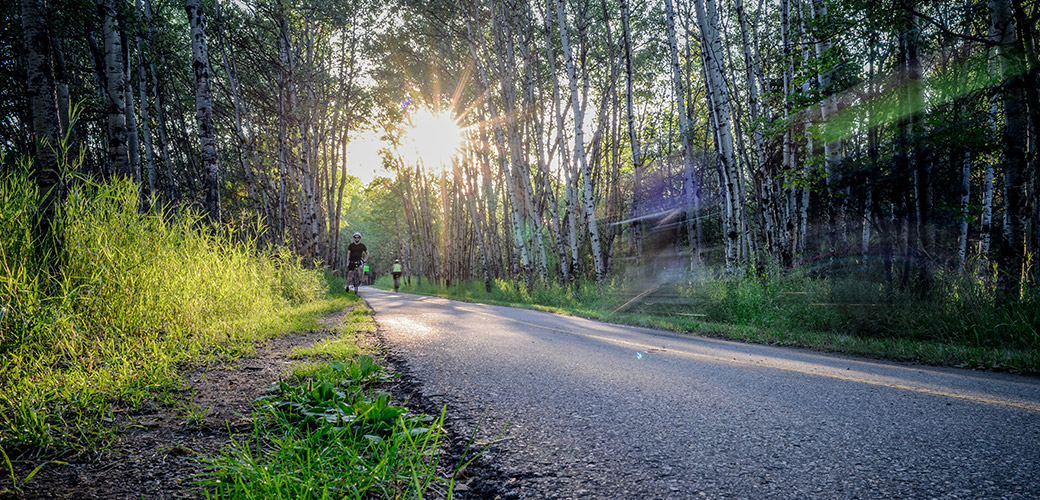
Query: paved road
x=594, y=410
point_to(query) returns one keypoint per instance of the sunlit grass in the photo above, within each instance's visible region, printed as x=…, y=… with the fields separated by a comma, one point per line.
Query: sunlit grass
x=349, y=343
x=134, y=294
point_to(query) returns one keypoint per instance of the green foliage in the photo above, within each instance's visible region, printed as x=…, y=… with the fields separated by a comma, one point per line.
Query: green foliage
x=132, y=295
x=328, y=435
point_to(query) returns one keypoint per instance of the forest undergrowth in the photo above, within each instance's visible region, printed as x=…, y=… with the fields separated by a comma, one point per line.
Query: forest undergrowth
x=951, y=320
x=102, y=325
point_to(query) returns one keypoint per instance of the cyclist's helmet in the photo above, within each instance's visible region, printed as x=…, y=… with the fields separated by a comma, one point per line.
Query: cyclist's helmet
x=357, y=235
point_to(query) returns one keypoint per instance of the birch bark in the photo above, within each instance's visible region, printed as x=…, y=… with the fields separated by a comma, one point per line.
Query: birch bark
x=204, y=107
x=565, y=161
x=719, y=99
x=633, y=138
x=579, y=146
x=45, y=122
x=1015, y=136
x=115, y=91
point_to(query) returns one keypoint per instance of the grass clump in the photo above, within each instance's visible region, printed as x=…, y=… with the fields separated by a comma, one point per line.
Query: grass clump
x=328, y=432
x=101, y=325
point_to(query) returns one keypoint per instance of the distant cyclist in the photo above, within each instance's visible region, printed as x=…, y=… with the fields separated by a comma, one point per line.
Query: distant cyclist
x=357, y=254
x=396, y=271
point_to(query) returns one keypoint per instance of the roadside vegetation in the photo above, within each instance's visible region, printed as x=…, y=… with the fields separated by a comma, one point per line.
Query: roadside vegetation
x=101, y=326
x=105, y=324
x=956, y=324
x=329, y=431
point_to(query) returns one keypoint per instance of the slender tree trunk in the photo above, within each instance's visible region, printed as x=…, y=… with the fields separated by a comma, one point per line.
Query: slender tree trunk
x=133, y=142
x=962, y=240
x=517, y=177
x=61, y=85
x=519, y=256
x=146, y=122
x=828, y=110
x=165, y=159
x=46, y=125
x=633, y=137
x=789, y=161
x=1015, y=137
x=566, y=265
x=204, y=107
x=579, y=146
x=115, y=91
x=690, y=187
x=733, y=203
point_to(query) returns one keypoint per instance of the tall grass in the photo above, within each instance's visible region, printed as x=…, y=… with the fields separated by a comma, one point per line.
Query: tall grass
x=132, y=295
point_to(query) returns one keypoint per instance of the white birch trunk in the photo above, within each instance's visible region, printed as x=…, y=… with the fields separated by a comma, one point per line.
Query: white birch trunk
x=790, y=230
x=690, y=188
x=204, y=107
x=46, y=125
x=115, y=91
x=733, y=204
x=579, y=147
x=146, y=127
x=565, y=160
x=633, y=137
x=520, y=258
x=962, y=241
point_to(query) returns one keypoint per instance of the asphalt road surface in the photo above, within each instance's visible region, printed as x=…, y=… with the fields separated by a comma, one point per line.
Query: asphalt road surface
x=584, y=409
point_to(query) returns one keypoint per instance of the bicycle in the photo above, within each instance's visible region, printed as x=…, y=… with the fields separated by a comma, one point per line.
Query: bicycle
x=354, y=276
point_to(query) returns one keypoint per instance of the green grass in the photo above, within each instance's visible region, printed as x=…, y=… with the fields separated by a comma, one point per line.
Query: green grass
x=349, y=344
x=957, y=324
x=328, y=432
x=132, y=296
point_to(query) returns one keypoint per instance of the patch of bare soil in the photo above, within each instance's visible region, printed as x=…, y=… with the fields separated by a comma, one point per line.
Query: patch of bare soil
x=158, y=452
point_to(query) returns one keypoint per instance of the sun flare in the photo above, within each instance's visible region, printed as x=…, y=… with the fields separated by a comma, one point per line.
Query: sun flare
x=434, y=137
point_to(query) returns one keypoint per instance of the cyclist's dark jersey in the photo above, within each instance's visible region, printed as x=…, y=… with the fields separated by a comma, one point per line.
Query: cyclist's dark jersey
x=356, y=251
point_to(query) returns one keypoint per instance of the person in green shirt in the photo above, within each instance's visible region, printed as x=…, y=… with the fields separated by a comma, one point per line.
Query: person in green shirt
x=396, y=271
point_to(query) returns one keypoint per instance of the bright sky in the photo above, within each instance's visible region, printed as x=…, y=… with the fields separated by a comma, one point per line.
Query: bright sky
x=433, y=136
x=363, y=159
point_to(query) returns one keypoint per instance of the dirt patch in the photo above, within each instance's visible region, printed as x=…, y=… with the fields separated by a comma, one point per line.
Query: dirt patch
x=158, y=452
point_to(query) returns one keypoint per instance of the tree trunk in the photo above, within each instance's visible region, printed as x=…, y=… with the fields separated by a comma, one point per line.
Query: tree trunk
x=165, y=159
x=718, y=97
x=1015, y=137
x=46, y=125
x=519, y=258
x=579, y=146
x=690, y=187
x=133, y=142
x=633, y=137
x=204, y=107
x=566, y=266
x=115, y=91
x=146, y=125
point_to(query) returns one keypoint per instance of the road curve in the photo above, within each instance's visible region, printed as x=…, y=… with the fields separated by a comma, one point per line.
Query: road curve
x=584, y=409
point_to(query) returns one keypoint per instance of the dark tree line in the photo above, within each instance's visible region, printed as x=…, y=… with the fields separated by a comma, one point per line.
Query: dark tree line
x=242, y=110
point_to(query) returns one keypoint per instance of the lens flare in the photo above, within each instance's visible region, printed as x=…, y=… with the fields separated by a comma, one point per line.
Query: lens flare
x=434, y=137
